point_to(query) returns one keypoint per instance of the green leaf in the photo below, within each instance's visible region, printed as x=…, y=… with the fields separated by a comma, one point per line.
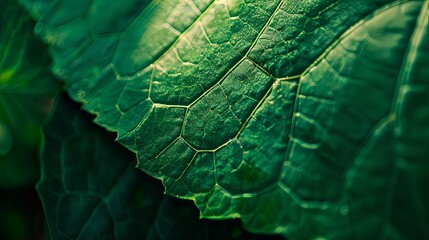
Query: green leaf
x=282, y=113
x=27, y=89
x=91, y=190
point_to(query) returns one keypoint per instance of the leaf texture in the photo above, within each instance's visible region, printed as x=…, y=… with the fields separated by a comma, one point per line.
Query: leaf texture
x=305, y=118
x=91, y=190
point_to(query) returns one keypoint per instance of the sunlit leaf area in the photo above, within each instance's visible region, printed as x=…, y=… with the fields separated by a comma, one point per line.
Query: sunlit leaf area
x=214, y=119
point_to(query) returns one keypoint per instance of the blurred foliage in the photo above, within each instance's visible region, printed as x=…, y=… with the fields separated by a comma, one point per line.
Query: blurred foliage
x=21, y=215
x=27, y=89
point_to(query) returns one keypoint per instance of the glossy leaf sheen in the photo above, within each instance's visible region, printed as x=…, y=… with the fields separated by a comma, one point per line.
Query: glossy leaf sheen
x=306, y=118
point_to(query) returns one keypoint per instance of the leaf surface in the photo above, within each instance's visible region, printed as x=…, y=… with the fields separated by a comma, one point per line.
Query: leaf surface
x=91, y=190
x=290, y=115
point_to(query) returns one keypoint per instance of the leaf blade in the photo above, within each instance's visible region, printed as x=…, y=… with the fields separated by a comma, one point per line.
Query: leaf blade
x=185, y=119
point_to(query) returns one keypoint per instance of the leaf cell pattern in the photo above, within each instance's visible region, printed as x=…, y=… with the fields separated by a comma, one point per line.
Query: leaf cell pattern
x=272, y=111
x=91, y=190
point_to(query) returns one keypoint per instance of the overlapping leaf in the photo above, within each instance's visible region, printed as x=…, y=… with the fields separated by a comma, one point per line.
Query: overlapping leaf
x=26, y=91
x=90, y=189
x=283, y=113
